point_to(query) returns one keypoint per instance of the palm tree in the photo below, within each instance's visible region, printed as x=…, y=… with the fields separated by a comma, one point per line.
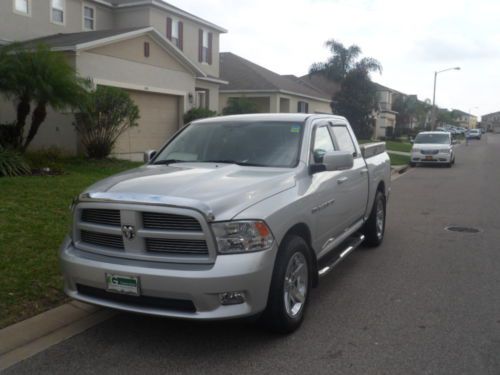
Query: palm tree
x=41, y=77
x=344, y=60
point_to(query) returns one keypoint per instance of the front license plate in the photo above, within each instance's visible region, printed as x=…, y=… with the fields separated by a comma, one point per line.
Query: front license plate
x=122, y=284
x=428, y=158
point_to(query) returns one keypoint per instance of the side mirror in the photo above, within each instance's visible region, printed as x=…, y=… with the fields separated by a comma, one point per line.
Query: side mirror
x=149, y=155
x=333, y=161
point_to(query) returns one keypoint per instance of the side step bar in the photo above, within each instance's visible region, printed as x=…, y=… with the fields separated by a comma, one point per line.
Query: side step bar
x=348, y=246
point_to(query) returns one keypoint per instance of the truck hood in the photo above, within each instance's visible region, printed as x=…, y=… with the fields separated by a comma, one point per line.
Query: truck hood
x=220, y=191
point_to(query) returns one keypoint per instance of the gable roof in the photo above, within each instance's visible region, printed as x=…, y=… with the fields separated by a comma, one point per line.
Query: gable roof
x=91, y=39
x=245, y=76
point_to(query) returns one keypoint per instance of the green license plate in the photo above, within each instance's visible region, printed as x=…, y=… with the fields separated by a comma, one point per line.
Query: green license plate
x=122, y=284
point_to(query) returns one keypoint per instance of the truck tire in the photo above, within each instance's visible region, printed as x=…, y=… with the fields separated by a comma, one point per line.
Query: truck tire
x=290, y=286
x=374, y=228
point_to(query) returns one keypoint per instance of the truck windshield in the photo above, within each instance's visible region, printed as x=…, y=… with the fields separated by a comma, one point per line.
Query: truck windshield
x=435, y=138
x=261, y=143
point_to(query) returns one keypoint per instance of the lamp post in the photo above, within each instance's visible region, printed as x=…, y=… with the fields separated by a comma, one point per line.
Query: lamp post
x=433, y=124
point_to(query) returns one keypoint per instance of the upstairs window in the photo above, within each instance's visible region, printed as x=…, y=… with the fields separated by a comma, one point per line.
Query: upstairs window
x=22, y=7
x=205, y=42
x=57, y=8
x=175, y=32
x=88, y=18
x=303, y=107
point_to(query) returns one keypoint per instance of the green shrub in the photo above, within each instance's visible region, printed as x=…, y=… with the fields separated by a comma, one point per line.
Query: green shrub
x=46, y=161
x=8, y=135
x=197, y=113
x=236, y=106
x=12, y=163
x=108, y=112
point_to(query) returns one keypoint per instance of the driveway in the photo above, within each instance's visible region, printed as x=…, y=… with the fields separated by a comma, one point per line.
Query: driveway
x=426, y=302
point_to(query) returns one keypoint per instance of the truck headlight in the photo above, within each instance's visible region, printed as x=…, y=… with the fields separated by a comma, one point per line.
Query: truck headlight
x=242, y=236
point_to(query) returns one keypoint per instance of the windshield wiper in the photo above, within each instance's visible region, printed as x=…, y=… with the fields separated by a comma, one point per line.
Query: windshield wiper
x=169, y=161
x=242, y=163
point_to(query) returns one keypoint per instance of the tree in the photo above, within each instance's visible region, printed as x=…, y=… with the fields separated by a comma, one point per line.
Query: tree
x=41, y=77
x=236, y=106
x=357, y=98
x=103, y=117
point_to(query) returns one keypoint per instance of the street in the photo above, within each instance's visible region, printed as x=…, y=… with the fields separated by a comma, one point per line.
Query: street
x=426, y=302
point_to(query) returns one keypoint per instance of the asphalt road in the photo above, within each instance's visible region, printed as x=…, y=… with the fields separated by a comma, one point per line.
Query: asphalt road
x=426, y=302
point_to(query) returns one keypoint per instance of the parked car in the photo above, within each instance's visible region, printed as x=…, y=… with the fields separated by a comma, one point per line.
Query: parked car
x=474, y=134
x=235, y=216
x=435, y=147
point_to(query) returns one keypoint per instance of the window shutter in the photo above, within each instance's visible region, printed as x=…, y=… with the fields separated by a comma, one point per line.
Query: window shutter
x=200, y=45
x=169, y=28
x=146, y=49
x=181, y=35
x=210, y=42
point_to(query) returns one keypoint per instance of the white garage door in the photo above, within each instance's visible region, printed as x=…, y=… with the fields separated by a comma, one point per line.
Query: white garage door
x=159, y=120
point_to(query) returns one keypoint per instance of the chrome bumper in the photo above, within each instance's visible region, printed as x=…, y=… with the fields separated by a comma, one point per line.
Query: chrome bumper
x=201, y=284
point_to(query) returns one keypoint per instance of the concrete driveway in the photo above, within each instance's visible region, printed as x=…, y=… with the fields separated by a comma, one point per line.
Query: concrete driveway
x=426, y=302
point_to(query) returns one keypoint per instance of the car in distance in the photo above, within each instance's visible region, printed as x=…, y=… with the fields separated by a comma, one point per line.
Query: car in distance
x=235, y=216
x=433, y=147
x=474, y=134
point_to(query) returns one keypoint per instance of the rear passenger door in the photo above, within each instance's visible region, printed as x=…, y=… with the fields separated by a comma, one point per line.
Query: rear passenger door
x=353, y=183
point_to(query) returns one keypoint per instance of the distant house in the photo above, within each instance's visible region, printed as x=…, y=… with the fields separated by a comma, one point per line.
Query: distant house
x=271, y=92
x=464, y=119
x=165, y=57
x=491, y=121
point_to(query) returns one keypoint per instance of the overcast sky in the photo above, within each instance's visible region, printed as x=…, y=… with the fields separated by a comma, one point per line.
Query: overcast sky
x=410, y=39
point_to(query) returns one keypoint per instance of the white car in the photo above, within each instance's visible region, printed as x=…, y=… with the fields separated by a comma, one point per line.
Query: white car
x=474, y=134
x=433, y=148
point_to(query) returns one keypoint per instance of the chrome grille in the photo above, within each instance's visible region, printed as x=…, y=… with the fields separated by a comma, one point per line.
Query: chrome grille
x=160, y=221
x=429, y=152
x=102, y=217
x=102, y=239
x=170, y=246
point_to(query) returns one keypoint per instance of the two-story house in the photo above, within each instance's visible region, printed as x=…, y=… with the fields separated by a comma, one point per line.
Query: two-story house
x=165, y=57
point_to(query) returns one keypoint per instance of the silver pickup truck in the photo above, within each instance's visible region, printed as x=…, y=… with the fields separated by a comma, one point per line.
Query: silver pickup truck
x=235, y=216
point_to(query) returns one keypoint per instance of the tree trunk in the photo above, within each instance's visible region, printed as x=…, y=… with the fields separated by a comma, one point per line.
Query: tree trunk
x=23, y=111
x=39, y=116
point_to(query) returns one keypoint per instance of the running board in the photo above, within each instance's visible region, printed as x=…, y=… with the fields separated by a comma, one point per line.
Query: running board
x=349, y=245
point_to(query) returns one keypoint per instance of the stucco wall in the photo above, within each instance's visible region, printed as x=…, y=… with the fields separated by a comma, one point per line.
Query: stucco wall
x=213, y=100
x=14, y=26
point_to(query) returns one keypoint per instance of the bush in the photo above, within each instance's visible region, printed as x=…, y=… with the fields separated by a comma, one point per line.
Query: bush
x=8, y=135
x=197, y=113
x=236, y=106
x=107, y=113
x=46, y=161
x=12, y=163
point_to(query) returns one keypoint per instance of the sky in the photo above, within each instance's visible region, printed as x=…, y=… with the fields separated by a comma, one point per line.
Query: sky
x=412, y=40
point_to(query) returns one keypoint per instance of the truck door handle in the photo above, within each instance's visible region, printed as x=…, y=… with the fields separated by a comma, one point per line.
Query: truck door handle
x=341, y=180
x=364, y=170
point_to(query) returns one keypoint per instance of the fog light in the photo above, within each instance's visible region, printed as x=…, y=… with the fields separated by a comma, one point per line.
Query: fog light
x=232, y=298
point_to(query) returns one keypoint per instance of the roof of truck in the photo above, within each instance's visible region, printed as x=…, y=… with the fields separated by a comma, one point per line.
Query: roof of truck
x=295, y=117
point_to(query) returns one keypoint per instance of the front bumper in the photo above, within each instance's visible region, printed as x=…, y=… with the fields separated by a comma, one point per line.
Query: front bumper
x=199, y=285
x=441, y=157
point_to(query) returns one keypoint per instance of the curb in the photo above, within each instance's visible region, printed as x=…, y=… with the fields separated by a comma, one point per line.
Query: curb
x=31, y=336
x=396, y=172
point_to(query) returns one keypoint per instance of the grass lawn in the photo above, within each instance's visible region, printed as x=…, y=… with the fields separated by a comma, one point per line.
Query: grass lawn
x=399, y=159
x=34, y=218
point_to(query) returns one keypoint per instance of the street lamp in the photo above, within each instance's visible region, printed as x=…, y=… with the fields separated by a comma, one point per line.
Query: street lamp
x=434, y=94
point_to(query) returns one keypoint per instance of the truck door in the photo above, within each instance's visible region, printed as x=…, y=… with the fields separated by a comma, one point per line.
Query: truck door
x=352, y=183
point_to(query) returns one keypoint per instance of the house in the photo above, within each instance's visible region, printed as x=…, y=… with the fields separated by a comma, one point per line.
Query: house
x=464, y=119
x=166, y=58
x=270, y=91
x=491, y=121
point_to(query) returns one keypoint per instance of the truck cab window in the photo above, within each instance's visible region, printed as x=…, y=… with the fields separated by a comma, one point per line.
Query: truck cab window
x=343, y=138
x=322, y=144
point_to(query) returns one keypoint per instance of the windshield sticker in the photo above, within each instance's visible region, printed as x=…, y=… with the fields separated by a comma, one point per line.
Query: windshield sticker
x=295, y=129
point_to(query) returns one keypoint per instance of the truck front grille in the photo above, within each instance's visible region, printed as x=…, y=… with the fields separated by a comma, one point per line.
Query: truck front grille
x=101, y=217
x=187, y=247
x=102, y=239
x=160, y=221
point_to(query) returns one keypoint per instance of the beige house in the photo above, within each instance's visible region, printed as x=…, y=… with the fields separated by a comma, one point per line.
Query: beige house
x=491, y=122
x=466, y=120
x=166, y=58
x=271, y=92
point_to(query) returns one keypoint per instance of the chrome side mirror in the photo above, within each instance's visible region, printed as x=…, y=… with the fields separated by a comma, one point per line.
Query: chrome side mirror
x=149, y=155
x=338, y=160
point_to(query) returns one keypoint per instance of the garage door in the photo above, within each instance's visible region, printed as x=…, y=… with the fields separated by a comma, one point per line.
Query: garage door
x=159, y=120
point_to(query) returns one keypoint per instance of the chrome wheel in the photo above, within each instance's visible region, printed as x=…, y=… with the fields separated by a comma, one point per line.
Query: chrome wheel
x=296, y=279
x=380, y=218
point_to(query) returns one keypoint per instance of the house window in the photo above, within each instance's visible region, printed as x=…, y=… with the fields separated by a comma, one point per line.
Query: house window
x=303, y=107
x=22, y=7
x=175, y=32
x=201, y=98
x=205, y=47
x=88, y=18
x=57, y=11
